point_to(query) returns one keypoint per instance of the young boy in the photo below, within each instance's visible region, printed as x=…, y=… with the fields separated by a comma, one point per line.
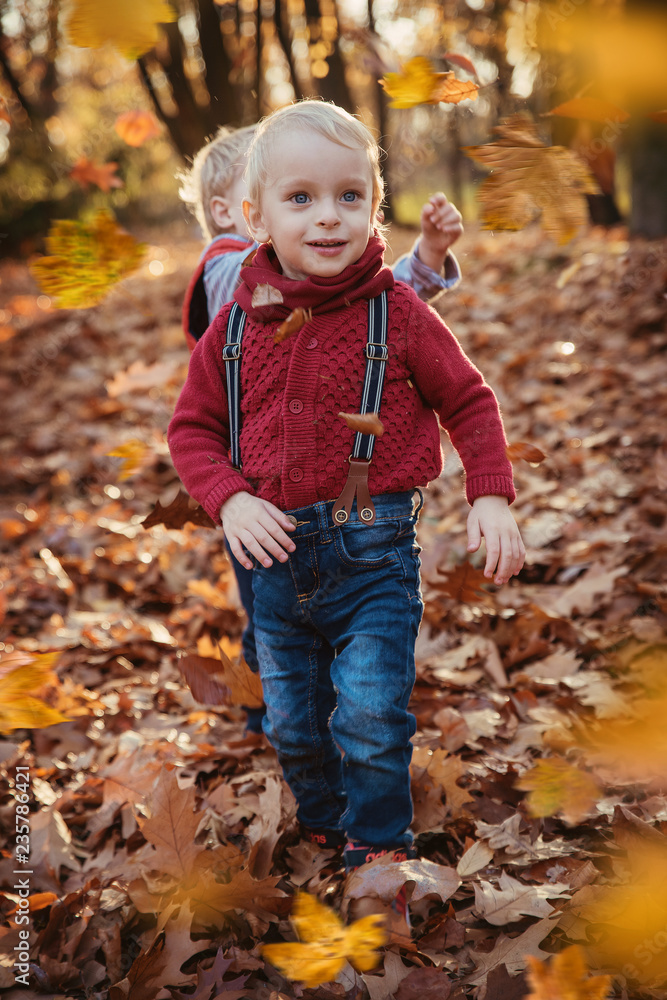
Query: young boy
x=214, y=189
x=338, y=607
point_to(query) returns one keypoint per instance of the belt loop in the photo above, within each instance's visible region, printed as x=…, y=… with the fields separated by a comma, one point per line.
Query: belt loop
x=416, y=512
x=320, y=509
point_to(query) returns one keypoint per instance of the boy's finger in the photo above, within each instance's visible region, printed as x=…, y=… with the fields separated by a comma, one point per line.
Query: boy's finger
x=239, y=554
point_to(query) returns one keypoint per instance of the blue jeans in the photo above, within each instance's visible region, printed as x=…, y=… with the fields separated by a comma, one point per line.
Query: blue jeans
x=335, y=628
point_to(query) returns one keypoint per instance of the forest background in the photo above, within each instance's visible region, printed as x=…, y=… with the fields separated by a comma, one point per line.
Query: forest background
x=162, y=845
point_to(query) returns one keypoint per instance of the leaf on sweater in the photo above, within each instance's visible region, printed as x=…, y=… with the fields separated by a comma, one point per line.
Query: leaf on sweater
x=556, y=786
x=364, y=423
x=326, y=944
x=102, y=175
x=418, y=83
x=137, y=127
x=86, y=260
x=296, y=319
x=519, y=450
x=565, y=975
x=178, y=512
x=266, y=295
x=131, y=26
x=530, y=179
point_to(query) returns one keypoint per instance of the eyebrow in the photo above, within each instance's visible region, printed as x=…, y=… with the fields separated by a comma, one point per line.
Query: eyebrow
x=285, y=183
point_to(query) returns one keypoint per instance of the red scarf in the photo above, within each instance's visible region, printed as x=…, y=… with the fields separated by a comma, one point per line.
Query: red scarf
x=364, y=279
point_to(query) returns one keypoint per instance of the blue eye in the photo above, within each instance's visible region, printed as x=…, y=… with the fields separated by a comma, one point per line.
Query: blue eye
x=350, y=196
x=300, y=199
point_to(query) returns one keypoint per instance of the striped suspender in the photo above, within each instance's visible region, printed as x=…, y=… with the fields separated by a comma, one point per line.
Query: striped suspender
x=376, y=356
x=231, y=354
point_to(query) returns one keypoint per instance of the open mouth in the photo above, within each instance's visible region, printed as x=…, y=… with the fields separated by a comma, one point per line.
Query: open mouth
x=327, y=243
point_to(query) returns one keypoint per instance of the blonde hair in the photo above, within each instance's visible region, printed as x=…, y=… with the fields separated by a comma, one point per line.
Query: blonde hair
x=214, y=168
x=328, y=120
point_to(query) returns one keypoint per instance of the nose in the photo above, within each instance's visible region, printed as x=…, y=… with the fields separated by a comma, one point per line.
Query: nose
x=328, y=217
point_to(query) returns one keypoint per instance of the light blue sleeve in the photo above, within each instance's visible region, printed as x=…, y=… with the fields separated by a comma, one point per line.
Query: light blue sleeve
x=426, y=282
x=221, y=277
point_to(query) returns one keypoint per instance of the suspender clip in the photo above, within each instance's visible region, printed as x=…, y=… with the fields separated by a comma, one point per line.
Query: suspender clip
x=377, y=352
x=231, y=352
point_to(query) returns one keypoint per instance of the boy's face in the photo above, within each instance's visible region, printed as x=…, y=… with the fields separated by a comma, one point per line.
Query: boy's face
x=317, y=206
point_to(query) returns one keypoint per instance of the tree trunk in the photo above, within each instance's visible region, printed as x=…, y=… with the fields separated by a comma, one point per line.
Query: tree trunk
x=223, y=109
x=648, y=165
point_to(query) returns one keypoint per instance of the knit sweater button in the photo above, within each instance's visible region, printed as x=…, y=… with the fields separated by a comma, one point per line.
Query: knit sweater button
x=312, y=344
x=296, y=475
x=296, y=405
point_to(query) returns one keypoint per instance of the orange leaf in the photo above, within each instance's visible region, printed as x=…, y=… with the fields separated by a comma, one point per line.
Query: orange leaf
x=135, y=454
x=199, y=673
x=557, y=786
x=266, y=295
x=365, y=423
x=591, y=109
x=464, y=584
x=296, y=319
x=565, y=976
x=177, y=513
x=522, y=450
x=137, y=127
x=86, y=172
x=462, y=61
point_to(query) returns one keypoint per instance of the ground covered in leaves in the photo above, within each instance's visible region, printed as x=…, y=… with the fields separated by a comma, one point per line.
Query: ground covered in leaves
x=163, y=846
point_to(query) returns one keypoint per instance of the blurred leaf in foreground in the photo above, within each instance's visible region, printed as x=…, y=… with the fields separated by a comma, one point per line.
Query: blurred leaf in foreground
x=134, y=453
x=530, y=179
x=557, y=786
x=418, y=83
x=102, y=175
x=137, y=127
x=21, y=678
x=326, y=945
x=566, y=976
x=131, y=26
x=85, y=260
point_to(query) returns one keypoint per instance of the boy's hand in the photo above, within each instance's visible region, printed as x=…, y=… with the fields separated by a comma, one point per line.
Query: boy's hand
x=257, y=525
x=441, y=224
x=505, y=552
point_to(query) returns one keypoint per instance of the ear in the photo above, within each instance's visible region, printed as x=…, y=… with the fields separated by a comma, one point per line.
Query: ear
x=220, y=212
x=253, y=217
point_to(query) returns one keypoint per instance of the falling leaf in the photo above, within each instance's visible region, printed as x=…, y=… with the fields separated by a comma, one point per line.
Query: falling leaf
x=266, y=295
x=556, y=786
x=245, y=685
x=364, y=423
x=565, y=975
x=590, y=108
x=522, y=450
x=529, y=179
x=294, y=322
x=134, y=453
x=86, y=260
x=21, y=679
x=199, y=673
x=103, y=175
x=137, y=127
x=418, y=83
x=326, y=944
x=180, y=511
x=131, y=26
x=463, y=583
x=462, y=61
x=511, y=900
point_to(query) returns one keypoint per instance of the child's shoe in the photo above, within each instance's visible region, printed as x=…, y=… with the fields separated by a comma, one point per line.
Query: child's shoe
x=355, y=856
x=332, y=840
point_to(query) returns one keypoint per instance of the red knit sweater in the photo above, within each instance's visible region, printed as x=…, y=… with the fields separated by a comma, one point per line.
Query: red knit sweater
x=294, y=447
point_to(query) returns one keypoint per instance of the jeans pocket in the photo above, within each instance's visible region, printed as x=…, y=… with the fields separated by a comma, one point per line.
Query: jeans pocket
x=369, y=546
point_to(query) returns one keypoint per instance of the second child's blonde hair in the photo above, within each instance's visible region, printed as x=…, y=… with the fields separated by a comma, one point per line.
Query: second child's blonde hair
x=328, y=120
x=214, y=168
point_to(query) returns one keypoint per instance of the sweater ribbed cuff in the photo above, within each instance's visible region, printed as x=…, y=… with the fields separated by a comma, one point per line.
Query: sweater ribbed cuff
x=232, y=484
x=486, y=486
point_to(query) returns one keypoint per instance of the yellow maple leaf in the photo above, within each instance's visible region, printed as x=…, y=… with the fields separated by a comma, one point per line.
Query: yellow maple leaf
x=566, y=976
x=85, y=260
x=418, y=83
x=131, y=26
x=244, y=684
x=326, y=944
x=530, y=180
x=555, y=786
x=134, y=454
x=21, y=679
